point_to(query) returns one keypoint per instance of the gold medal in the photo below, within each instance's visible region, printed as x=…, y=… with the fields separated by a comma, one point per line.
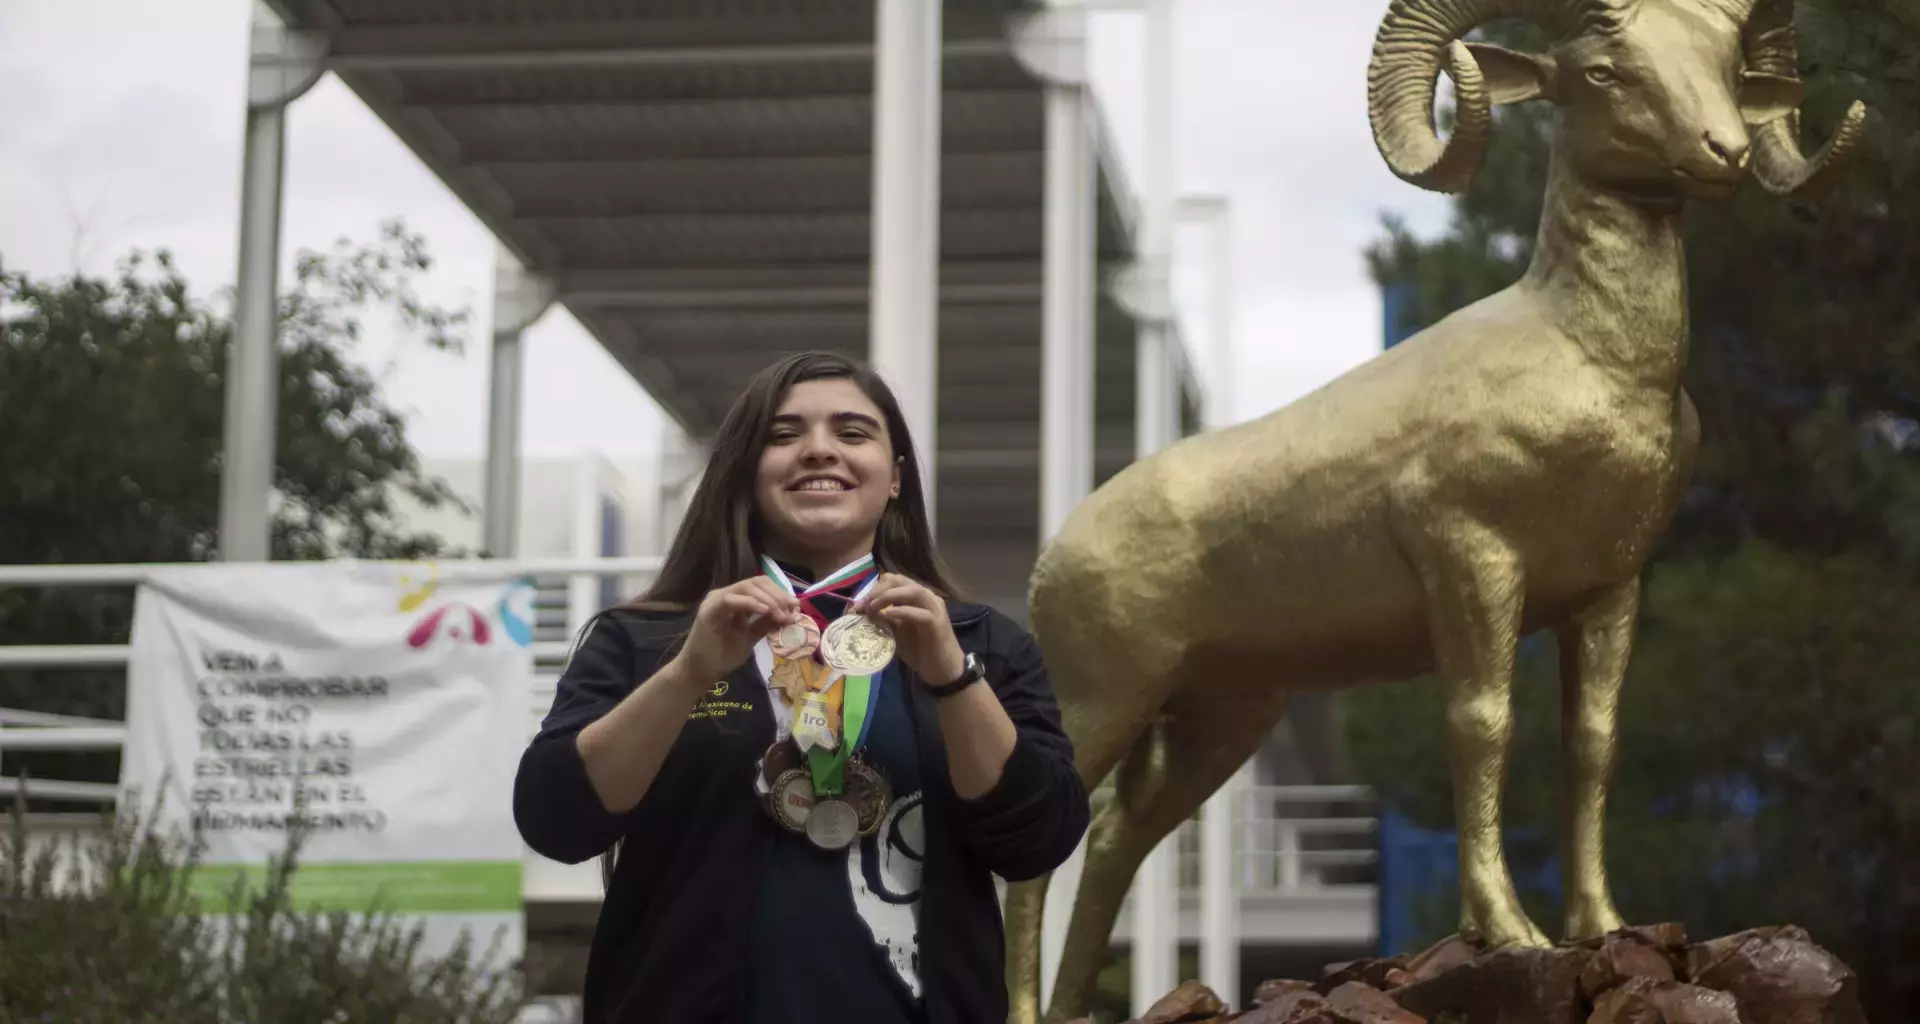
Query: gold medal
x=857, y=645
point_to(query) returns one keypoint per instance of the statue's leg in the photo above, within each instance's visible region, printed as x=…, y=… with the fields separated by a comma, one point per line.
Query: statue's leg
x=1594, y=649
x=1026, y=906
x=1475, y=596
x=1167, y=775
x=1106, y=727
x=1106, y=856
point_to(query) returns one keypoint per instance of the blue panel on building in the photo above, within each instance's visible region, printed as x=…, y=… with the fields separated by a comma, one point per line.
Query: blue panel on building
x=1419, y=867
x=612, y=539
x=1414, y=864
x=1394, y=301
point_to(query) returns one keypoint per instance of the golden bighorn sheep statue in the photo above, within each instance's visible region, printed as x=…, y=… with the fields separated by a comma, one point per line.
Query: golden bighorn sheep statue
x=1505, y=470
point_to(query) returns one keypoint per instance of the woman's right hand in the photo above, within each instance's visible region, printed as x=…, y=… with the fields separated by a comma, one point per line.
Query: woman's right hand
x=727, y=625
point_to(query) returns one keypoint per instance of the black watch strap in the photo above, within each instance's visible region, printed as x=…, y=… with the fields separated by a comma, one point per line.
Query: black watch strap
x=972, y=673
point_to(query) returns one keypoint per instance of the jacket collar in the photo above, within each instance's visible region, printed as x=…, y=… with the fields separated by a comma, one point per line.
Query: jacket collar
x=964, y=613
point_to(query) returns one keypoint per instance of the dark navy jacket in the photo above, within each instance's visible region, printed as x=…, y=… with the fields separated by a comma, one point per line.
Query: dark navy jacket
x=671, y=940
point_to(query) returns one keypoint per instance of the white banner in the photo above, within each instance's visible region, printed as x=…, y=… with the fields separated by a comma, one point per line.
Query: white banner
x=393, y=703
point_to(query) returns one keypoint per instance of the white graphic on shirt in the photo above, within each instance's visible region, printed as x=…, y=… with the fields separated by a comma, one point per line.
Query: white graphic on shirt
x=885, y=878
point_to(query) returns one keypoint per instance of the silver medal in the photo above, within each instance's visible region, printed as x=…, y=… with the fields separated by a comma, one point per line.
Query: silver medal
x=832, y=824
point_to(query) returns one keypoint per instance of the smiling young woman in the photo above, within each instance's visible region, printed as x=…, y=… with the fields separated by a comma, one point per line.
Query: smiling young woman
x=802, y=755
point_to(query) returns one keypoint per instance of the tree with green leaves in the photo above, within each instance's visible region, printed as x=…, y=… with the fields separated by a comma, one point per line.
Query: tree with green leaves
x=111, y=406
x=1771, y=716
x=112, y=398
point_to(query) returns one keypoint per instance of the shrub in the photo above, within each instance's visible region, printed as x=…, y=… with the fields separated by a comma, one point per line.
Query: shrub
x=103, y=926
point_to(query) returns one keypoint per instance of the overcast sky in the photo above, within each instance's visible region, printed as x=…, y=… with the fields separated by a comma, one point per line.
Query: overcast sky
x=120, y=128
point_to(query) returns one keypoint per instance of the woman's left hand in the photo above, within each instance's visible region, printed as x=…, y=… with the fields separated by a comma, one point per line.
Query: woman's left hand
x=921, y=629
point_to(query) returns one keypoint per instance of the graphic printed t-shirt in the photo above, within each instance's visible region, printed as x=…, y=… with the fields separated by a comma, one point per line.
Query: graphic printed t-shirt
x=834, y=933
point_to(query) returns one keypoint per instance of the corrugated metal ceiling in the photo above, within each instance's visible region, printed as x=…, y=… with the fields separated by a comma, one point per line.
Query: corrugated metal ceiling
x=696, y=176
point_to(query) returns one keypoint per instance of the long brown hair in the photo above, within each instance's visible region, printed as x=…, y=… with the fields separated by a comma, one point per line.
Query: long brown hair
x=719, y=540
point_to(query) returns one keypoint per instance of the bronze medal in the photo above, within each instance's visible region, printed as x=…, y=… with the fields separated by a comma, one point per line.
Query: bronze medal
x=869, y=793
x=780, y=759
x=795, y=641
x=792, y=800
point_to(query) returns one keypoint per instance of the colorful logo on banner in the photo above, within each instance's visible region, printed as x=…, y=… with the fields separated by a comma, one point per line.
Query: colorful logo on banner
x=462, y=622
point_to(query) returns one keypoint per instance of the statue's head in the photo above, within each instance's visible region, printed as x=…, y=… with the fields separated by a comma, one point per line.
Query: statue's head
x=1656, y=97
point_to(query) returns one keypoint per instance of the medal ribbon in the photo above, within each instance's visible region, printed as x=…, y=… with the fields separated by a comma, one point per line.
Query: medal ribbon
x=862, y=694
x=837, y=580
x=830, y=581
x=828, y=767
x=860, y=699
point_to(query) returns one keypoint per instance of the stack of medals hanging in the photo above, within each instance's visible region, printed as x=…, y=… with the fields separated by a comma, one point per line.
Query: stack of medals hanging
x=815, y=780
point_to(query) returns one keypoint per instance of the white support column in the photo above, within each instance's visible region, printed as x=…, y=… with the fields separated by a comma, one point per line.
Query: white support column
x=1220, y=387
x=1066, y=403
x=283, y=65
x=520, y=298
x=1051, y=43
x=1286, y=852
x=904, y=309
x=1157, y=398
x=1217, y=389
x=1154, y=387
x=583, y=592
x=1156, y=924
x=1220, y=938
x=682, y=461
x=1156, y=908
x=1185, y=390
x=1219, y=895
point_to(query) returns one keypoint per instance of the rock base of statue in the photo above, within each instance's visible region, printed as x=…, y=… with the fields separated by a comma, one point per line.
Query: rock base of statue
x=1648, y=975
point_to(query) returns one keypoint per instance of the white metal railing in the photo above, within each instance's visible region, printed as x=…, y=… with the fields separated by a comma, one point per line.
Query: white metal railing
x=115, y=655
x=1293, y=839
x=132, y=574
x=1287, y=838
x=23, y=730
x=50, y=789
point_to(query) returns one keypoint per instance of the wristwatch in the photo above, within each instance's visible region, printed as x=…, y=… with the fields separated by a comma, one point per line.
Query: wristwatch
x=973, y=672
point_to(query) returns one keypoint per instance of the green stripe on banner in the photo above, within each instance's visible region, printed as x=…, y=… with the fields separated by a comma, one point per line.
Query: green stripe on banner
x=403, y=887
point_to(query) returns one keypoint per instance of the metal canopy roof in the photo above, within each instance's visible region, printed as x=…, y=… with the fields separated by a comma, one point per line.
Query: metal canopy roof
x=695, y=176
